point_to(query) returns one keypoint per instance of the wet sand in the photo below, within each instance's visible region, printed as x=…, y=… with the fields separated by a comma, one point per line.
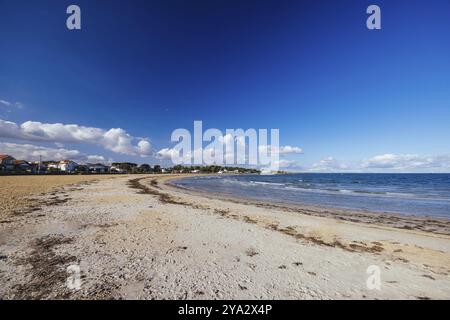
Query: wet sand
x=408, y=222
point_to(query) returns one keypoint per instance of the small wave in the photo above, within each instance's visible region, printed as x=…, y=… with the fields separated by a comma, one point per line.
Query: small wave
x=370, y=192
x=268, y=183
x=299, y=185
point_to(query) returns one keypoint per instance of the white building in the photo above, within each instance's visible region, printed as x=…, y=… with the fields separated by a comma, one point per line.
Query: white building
x=115, y=169
x=67, y=165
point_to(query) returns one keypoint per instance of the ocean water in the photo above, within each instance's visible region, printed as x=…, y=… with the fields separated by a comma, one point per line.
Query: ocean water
x=410, y=194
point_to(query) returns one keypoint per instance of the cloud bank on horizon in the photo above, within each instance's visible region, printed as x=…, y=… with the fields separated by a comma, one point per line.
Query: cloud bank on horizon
x=32, y=152
x=390, y=163
x=229, y=156
x=119, y=141
x=116, y=139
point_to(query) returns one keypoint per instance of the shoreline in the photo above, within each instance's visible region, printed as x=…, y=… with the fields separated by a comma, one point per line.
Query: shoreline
x=136, y=237
x=438, y=225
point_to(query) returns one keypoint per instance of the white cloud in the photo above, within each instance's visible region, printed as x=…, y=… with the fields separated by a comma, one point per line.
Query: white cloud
x=167, y=153
x=144, y=147
x=115, y=139
x=289, y=149
x=170, y=153
x=283, y=163
x=187, y=157
x=281, y=150
x=10, y=104
x=328, y=164
x=31, y=152
x=9, y=129
x=405, y=162
x=386, y=163
x=6, y=103
x=95, y=158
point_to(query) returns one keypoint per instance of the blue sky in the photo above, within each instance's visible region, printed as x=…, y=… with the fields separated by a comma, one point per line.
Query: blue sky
x=351, y=98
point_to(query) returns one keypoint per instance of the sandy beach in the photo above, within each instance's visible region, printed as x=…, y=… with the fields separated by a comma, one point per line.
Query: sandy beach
x=138, y=237
x=15, y=191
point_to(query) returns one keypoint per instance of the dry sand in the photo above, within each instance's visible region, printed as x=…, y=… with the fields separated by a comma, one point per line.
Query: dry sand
x=15, y=190
x=135, y=237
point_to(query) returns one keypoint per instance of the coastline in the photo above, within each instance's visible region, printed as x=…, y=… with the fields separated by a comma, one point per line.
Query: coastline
x=386, y=219
x=138, y=237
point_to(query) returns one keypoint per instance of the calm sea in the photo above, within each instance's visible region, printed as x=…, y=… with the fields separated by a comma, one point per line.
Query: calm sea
x=413, y=194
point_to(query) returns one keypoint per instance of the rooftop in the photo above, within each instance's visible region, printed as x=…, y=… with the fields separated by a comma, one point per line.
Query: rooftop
x=4, y=156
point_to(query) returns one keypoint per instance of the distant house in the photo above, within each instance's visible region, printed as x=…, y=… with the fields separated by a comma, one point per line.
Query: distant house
x=98, y=168
x=23, y=166
x=6, y=162
x=39, y=167
x=83, y=168
x=67, y=165
x=124, y=167
x=115, y=169
x=52, y=165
